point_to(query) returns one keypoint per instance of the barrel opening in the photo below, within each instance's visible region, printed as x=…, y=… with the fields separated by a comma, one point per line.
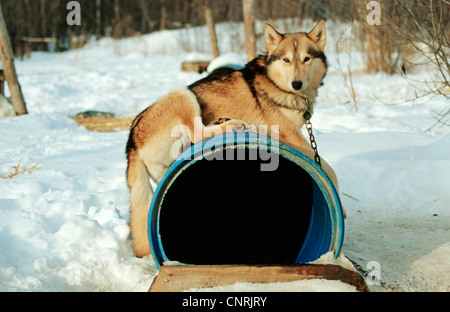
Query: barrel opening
x=232, y=212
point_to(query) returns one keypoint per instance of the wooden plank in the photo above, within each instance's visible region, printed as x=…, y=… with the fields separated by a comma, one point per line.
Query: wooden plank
x=37, y=40
x=197, y=67
x=179, y=278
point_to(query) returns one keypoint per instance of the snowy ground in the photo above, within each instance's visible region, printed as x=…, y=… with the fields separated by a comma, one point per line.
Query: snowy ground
x=64, y=223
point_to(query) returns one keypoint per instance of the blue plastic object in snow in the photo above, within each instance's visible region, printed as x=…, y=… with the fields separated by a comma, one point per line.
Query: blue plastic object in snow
x=243, y=198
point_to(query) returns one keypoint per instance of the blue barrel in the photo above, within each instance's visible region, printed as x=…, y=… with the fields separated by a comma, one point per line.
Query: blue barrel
x=243, y=198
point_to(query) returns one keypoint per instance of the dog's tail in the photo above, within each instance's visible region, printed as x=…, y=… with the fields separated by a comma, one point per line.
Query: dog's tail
x=141, y=194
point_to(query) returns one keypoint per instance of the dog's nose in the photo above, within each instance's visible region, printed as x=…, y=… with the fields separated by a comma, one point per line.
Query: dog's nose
x=297, y=85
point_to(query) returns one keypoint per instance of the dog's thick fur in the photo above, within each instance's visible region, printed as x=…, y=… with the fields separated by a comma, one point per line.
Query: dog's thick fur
x=276, y=88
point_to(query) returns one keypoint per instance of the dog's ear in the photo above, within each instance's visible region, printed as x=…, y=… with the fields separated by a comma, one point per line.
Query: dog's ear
x=273, y=38
x=319, y=35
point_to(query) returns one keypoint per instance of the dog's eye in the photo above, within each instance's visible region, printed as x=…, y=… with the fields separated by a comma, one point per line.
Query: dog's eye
x=286, y=60
x=307, y=59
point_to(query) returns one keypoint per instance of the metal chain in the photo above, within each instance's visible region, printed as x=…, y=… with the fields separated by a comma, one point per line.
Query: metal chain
x=308, y=126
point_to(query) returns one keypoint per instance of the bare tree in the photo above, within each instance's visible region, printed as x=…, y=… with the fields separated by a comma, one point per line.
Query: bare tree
x=146, y=21
x=163, y=24
x=211, y=26
x=98, y=19
x=9, y=68
x=414, y=33
x=249, y=20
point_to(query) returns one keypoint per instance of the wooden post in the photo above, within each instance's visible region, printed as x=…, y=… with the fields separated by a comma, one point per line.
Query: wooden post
x=249, y=20
x=211, y=27
x=9, y=68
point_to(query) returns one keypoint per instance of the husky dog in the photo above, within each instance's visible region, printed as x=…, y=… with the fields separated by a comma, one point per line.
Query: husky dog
x=276, y=88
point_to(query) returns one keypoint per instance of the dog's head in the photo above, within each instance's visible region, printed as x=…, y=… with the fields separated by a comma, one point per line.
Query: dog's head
x=296, y=62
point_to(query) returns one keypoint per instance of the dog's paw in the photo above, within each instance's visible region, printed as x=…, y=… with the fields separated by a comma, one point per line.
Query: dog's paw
x=219, y=122
x=244, y=128
x=233, y=125
x=225, y=125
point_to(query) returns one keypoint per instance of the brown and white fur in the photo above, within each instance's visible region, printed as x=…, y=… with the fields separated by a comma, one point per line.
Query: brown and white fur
x=276, y=88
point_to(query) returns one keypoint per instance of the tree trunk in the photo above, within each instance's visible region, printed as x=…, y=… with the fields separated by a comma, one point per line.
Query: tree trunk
x=249, y=20
x=211, y=27
x=117, y=25
x=145, y=24
x=163, y=24
x=9, y=68
x=98, y=19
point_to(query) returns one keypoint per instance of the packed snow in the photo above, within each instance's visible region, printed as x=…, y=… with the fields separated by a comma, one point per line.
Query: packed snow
x=312, y=285
x=64, y=200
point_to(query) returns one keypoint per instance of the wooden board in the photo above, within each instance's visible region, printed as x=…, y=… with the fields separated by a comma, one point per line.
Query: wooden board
x=198, y=67
x=179, y=278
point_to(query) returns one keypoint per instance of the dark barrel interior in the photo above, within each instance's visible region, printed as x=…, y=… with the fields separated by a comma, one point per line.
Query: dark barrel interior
x=231, y=212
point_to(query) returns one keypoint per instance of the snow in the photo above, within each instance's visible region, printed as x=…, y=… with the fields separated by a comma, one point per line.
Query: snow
x=6, y=107
x=64, y=215
x=233, y=60
x=312, y=285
